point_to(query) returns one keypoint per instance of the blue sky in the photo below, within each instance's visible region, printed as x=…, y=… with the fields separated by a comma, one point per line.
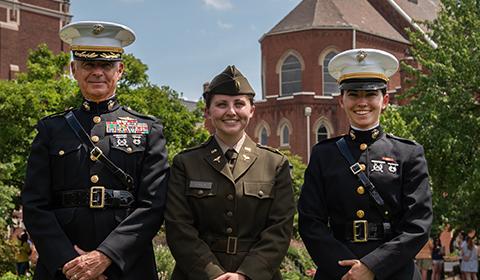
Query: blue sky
x=187, y=42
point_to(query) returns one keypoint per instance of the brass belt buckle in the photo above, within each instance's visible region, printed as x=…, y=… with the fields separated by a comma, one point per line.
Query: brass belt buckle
x=360, y=231
x=97, y=197
x=95, y=153
x=232, y=242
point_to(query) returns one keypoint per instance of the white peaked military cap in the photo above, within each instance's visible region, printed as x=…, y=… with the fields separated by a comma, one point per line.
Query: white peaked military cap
x=363, y=69
x=97, y=40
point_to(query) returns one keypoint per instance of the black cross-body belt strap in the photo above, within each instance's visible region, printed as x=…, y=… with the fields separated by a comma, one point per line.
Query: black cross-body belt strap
x=96, y=153
x=357, y=170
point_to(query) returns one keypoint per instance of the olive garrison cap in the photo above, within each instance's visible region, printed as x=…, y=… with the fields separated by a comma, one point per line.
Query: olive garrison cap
x=230, y=82
x=363, y=69
x=97, y=40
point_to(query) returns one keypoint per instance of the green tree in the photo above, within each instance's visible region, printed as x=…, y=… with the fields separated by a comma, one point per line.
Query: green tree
x=443, y=104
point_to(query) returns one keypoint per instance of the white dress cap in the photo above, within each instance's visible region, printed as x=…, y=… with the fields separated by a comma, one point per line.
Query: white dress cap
x=363, y=64
x=97, y=40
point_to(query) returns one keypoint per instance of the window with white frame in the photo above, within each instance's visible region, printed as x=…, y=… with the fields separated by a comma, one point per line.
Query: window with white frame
x=291, y=76
x=322, y=133
x=263, y=136
x=330, y=85
x=285, y=135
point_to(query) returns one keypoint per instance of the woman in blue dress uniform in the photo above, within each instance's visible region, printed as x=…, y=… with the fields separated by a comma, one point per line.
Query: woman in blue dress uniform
x=365, y=207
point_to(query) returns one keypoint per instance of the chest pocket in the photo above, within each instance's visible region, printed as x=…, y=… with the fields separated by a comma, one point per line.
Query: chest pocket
x=201, y=189
x=128, y=143
x=62, y=157
x=261, y=190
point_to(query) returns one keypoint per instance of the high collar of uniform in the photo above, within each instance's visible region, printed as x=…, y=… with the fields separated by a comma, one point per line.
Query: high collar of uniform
x=365, y=136
x=100, y=107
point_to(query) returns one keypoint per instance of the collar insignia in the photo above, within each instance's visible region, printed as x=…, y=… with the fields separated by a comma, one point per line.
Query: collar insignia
x=86, y=106
x=352, y=134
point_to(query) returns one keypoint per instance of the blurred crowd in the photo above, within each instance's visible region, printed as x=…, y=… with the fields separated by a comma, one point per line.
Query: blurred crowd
x=453, y=254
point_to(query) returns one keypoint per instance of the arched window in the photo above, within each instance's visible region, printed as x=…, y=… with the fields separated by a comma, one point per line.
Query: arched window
x=263, y=136
x=285, y=136
x=330, y=85
x=291, y=76
x=322, y=133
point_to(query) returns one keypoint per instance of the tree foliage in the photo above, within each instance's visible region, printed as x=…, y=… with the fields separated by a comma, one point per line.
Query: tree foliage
x=443, y=104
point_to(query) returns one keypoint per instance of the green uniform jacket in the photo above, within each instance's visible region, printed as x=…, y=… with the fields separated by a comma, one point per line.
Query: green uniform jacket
x=221, y=222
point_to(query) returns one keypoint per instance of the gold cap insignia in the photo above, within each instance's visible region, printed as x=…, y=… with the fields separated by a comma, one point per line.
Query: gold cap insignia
x=97, y=29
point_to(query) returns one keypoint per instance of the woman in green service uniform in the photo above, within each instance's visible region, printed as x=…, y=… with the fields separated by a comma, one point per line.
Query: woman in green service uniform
x=230, y=201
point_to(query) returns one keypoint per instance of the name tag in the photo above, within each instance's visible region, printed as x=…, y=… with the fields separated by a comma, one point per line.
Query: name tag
x=200, y=185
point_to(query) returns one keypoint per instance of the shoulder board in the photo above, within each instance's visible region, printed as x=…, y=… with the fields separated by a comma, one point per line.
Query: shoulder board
x=328, y=140
x=274, y=150
x=194, y=148
x=58, y=114
x=404, y=140
x=133, y=112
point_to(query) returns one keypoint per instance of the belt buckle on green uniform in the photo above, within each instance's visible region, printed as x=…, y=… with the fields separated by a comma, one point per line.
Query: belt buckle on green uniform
x=97, y=197
x=232, y=241
x=360, y=231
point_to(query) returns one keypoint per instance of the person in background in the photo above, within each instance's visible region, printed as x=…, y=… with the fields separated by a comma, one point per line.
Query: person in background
x=469, y=255
x=446, y=238
x=230, y=204
x=424, y=259
x=22, y=253
x=437, y=259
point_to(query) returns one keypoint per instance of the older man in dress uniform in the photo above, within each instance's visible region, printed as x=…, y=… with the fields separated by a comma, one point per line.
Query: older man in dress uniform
x=365, y=207
x=95, y=187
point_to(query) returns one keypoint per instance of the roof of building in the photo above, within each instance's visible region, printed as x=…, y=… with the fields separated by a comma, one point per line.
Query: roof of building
x=423, y=10
x=323, y=14
x=191, y=105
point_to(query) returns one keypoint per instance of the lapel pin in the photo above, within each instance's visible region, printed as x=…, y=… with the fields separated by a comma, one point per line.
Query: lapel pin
x=217, y=159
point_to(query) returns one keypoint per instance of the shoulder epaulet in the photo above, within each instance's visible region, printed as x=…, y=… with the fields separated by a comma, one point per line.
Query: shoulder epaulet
x=133, y=112
x=58, y=114
x=194, y=148
x=404, y=140
x=328, y=140
x=274, y=150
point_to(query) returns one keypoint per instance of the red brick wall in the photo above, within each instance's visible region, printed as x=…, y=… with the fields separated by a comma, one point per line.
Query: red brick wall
x=33, y=30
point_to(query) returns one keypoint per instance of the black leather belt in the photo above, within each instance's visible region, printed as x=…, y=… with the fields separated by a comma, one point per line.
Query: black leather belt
x=95, y=197
x=362, y=231
x=231, y=245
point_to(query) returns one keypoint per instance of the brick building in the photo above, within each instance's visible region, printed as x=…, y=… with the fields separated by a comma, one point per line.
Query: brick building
x=24, y=24
x=299, y=101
